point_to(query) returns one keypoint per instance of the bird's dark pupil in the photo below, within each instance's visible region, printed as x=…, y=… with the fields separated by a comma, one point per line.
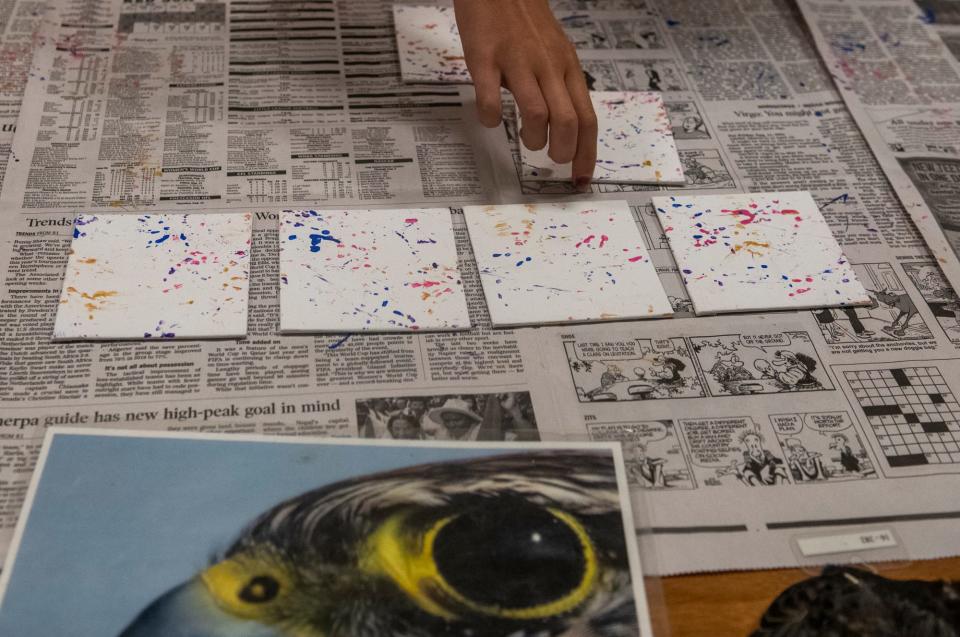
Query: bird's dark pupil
x=514, y=556
x=261, y=588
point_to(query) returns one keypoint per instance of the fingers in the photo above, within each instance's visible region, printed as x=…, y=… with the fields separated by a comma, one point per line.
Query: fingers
x=585, y=157
x=563, y=123
x=486, y=83
x=534, y=115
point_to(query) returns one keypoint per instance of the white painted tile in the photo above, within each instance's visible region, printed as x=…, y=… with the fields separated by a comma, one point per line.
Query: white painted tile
x=428, y=43
x=752, y=252
x=156, y=276
x=635, y=143
x=564, y=262
x=369, y=270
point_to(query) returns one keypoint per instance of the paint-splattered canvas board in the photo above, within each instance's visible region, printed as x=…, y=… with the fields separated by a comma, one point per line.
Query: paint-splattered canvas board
x=634, y=144
x=564, y=262
x=156, y=276
x=369, y=270
x=428, y=44
x=751, y=252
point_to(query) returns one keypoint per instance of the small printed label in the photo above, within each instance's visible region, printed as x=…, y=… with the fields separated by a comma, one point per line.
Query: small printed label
x=848, y=542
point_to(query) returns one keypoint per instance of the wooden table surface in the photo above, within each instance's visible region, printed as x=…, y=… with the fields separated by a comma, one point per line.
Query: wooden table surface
x=730, y=604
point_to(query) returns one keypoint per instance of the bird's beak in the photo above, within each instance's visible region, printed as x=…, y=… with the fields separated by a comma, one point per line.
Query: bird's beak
x=189, y=611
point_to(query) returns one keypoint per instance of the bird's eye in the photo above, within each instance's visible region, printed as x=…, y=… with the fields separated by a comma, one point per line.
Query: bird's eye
x=502, y=559
x=248, y=585
x=521, y=562
x=260, y=589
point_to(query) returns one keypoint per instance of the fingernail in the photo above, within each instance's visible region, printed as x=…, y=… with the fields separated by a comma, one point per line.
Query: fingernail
x=582, y=184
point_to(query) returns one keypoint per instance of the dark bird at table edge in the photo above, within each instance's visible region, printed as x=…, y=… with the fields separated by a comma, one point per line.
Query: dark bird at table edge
x=849, y=602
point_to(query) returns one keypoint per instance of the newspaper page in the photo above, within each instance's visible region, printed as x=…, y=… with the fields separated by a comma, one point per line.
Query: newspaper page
x=22, y=27
x=262, y=111
x=902, y=85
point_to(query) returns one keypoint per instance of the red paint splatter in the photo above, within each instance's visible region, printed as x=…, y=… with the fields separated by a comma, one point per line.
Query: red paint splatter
x=749, y=216
x=586, y=240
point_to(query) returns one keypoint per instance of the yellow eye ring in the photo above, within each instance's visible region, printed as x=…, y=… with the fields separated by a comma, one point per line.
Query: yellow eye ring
x=247, y=586
x=412, y=566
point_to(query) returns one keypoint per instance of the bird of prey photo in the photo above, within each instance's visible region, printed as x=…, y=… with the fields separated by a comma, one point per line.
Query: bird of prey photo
x=527, y=544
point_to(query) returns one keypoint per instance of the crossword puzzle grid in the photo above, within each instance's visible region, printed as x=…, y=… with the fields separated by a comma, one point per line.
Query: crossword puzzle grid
x=913, y=413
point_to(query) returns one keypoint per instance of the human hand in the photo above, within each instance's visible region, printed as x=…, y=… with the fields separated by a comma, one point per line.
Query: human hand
x=518, y=44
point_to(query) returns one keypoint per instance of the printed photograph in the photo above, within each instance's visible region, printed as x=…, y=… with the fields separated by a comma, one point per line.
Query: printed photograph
x=129, y=535
x=461, y=417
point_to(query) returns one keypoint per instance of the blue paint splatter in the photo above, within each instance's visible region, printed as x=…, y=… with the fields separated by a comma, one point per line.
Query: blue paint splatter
x=316, y=240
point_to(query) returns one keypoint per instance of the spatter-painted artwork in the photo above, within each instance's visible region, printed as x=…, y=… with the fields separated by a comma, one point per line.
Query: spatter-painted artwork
x=369, y=270
x=428, y=43
x=634, y=143
x=766, y=251
x=564, y=262
x=156, y=276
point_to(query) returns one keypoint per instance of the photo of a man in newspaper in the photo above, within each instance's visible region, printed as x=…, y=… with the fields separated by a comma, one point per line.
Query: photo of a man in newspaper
x=458, y=417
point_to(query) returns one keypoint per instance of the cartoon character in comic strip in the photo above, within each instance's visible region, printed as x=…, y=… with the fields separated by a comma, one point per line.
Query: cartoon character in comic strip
x=940, y=298
x=704, y=169
x=686, y=121
x=601, y=75
x=822, y=446
x=652, y=454
x=641, y=369
x=584, y=32
x=892, y=316
x=733, y=451
x=759, y=466
x=650, y=75
x=739, y=364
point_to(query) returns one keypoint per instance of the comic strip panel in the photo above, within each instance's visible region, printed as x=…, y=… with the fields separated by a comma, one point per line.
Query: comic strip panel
x=733, y=451
x=638, y=369
x=651, y=453
x=601, y=75
x=462, y=417
x=911, y=414
x=651, y=75
x=822, y=446
x=940, y=298
x=893, y=315
x=686, y=121
x=740, y=364
x=705, y=169
x=680, y=301
x=586, y=32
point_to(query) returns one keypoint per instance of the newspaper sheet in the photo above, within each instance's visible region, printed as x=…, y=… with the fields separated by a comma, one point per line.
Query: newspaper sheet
x=902, y=85
x=22, y=27
x=741, y=433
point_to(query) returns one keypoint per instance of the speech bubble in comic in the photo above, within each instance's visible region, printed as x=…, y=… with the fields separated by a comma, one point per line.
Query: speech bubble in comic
x=714, y=441
x=827, y=423
x=762, y=341
x=663, y=345
x=607, y=350
x=646, y=432
x=787, y=424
